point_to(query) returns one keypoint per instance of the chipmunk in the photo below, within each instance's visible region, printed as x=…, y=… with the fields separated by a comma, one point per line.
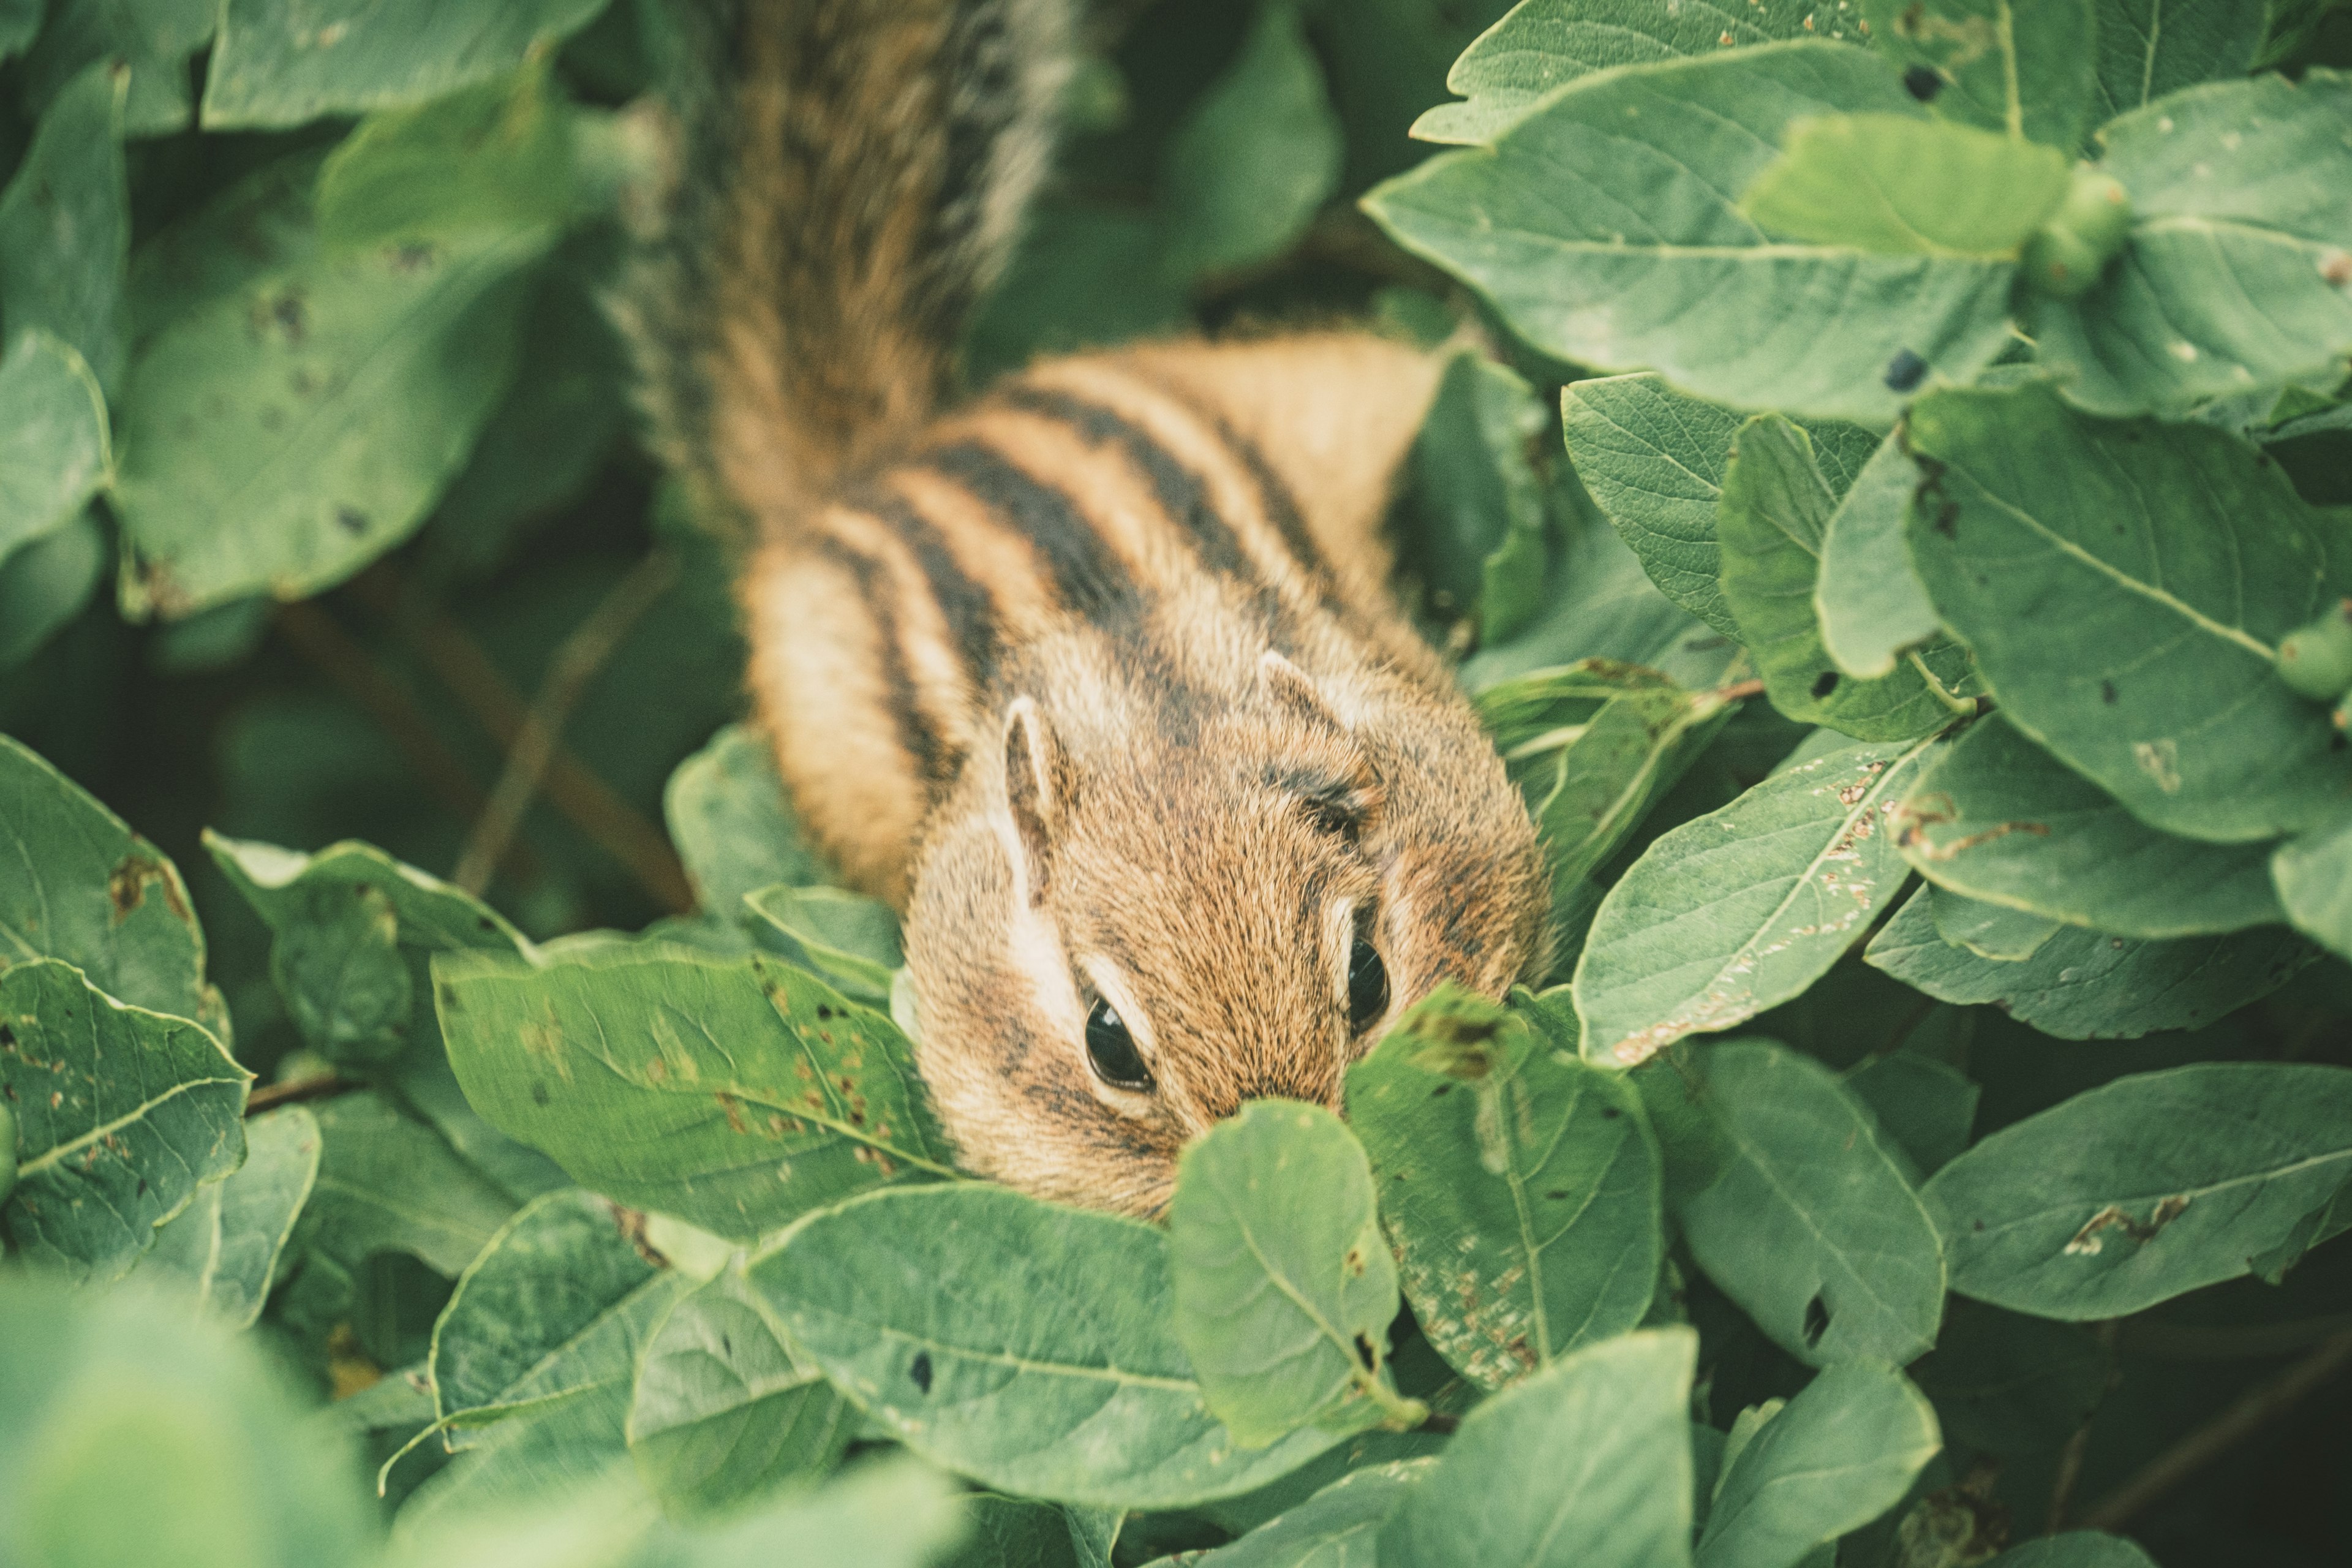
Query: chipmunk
x=1096, y=679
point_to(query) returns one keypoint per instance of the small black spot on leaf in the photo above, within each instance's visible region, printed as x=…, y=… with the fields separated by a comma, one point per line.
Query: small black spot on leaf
x=1610, y=1114
x=1364, y=1353
x=1558, y=1194
x=1922, y=83
x=727, y=1346
x=1817, y=1320
x=142, y=1187
x=920, y=1371
x=538, y=1094
x=351, y=519
x=1905, y=370
x=823, y=1011
x=2107, y=692
x=1825, y=683
x=1441, y=1088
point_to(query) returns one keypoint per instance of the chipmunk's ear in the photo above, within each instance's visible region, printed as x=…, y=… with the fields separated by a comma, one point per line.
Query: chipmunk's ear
x=1036, y=791
x=1333, y=775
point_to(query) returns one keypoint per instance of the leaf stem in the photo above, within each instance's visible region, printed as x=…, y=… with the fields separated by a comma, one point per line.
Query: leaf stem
x=318, y=1086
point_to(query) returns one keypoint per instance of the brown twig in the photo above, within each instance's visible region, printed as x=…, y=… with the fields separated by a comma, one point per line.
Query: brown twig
x=1740, y=690
x=577, y=663
x=570, y=786
x=320, y=1086
x=2262, y=1405
x=320, y=638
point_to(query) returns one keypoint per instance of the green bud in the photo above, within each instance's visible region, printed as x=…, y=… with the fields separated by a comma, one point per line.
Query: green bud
x=2316, y=660
x=7, y=1152
x=2070, y=253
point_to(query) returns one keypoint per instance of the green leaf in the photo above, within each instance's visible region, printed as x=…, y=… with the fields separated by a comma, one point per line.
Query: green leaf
x=2025, y=67
x=848, y=939
x=1844, y=1451
x=2313, y=878
x=1338, y=1527
x=723, y=1412
x=2075, y=1549
x=1870, y=602
x=131, y=1432
x=1655, y=460
x=734, y=829
x=387, y=1182
x=65, y=225
x=55, y=453
x=1742, y=909
x=1013, y=1532
x=1026, y=1345
x=153, y=38
x=1808, y=1221
x=1255, y=158
x=2151, y=47
x=1283, y=1287
x=1995, y=817
x=1990, y=931
x=1897, y=185
x=1481, y=500
x=1602, y=227
x=121, y=1115
x=493, y=158
x=2083, y=984
x=1543, y=42
x=47, y=584
x=1775, y=512
x=282, y=62
x=2123, y=586
x=2153, y=1184
x=736, y=1094
x=2227, y=285
x=226, y=1245
x=1925, y=1107
x=534, y=1356
x=1584, y=1465
x=295, y=413
x=1519, y=1185
x=76, y=884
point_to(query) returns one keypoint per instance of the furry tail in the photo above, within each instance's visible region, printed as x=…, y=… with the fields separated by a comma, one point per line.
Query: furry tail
x=849, y=176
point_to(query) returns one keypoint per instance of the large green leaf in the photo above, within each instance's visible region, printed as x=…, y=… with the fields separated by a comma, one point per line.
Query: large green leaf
x=847, y=939
x=134, y=1433
x=281, y=62
x=2083, y=984
x=2025, y=67
x=226, y=1245
x=1654, y=461
x=1543, y=42
x=1484, y=524
x=2226, y=285
x=1925, y=1107
x=2313, y=876
x=55, y=453
x=151, y=39
x=2151, y=47
x=1520, y=1184
x=1844, y=1451
x=1870, y=602
x=493, y=157
x=2075, y=1549
x=45, y=586
x=1742, y=909
x=1773, y=518
x=2144, y=1187
x=1998, y=818
x=1256, y=157
x=722, y=1411
x=1807, y=1219
x=388, y=1183
x=1898, y=185
x=1587, y=1464
x=2123, y=586
x=1603, y=228
x=76, y=884
x=1338, y=1527
x=65, y=225
x=290, y=413
x=1026, y=1345
x=1283, y=1286
x=734, y=829
x=736, y=1094
x=120, y=1114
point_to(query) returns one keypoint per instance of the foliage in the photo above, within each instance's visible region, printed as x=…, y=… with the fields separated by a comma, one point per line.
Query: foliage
x=1890, y=495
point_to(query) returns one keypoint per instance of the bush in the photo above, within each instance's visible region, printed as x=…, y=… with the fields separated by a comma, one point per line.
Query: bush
x=1921, y=634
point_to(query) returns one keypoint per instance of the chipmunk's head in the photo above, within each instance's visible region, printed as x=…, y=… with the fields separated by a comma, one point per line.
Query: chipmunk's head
x=1140, y=925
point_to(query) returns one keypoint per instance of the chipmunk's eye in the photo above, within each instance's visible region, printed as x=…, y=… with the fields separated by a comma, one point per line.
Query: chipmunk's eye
x=1111, y=1050
x=1368, y=986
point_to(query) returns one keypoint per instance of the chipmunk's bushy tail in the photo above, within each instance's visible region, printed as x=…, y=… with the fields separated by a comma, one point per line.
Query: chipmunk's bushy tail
x=848, y=177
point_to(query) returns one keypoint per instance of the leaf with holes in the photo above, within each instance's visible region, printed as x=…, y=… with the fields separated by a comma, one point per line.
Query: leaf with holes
x=121, y=1114
x=1604, y=228
x=1520, y=1184
x=1283, y=1286
x=1026, y=1345
x=2023, y=68
x=2123, y=587
x=2145, y=1187
x=736, y=1093
x=1998, y=818
x=224, y=1246
x=1808, y=1221
x=1742, y=909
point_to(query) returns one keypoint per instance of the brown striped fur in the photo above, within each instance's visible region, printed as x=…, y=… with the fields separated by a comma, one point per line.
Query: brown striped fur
x=1096, y=679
